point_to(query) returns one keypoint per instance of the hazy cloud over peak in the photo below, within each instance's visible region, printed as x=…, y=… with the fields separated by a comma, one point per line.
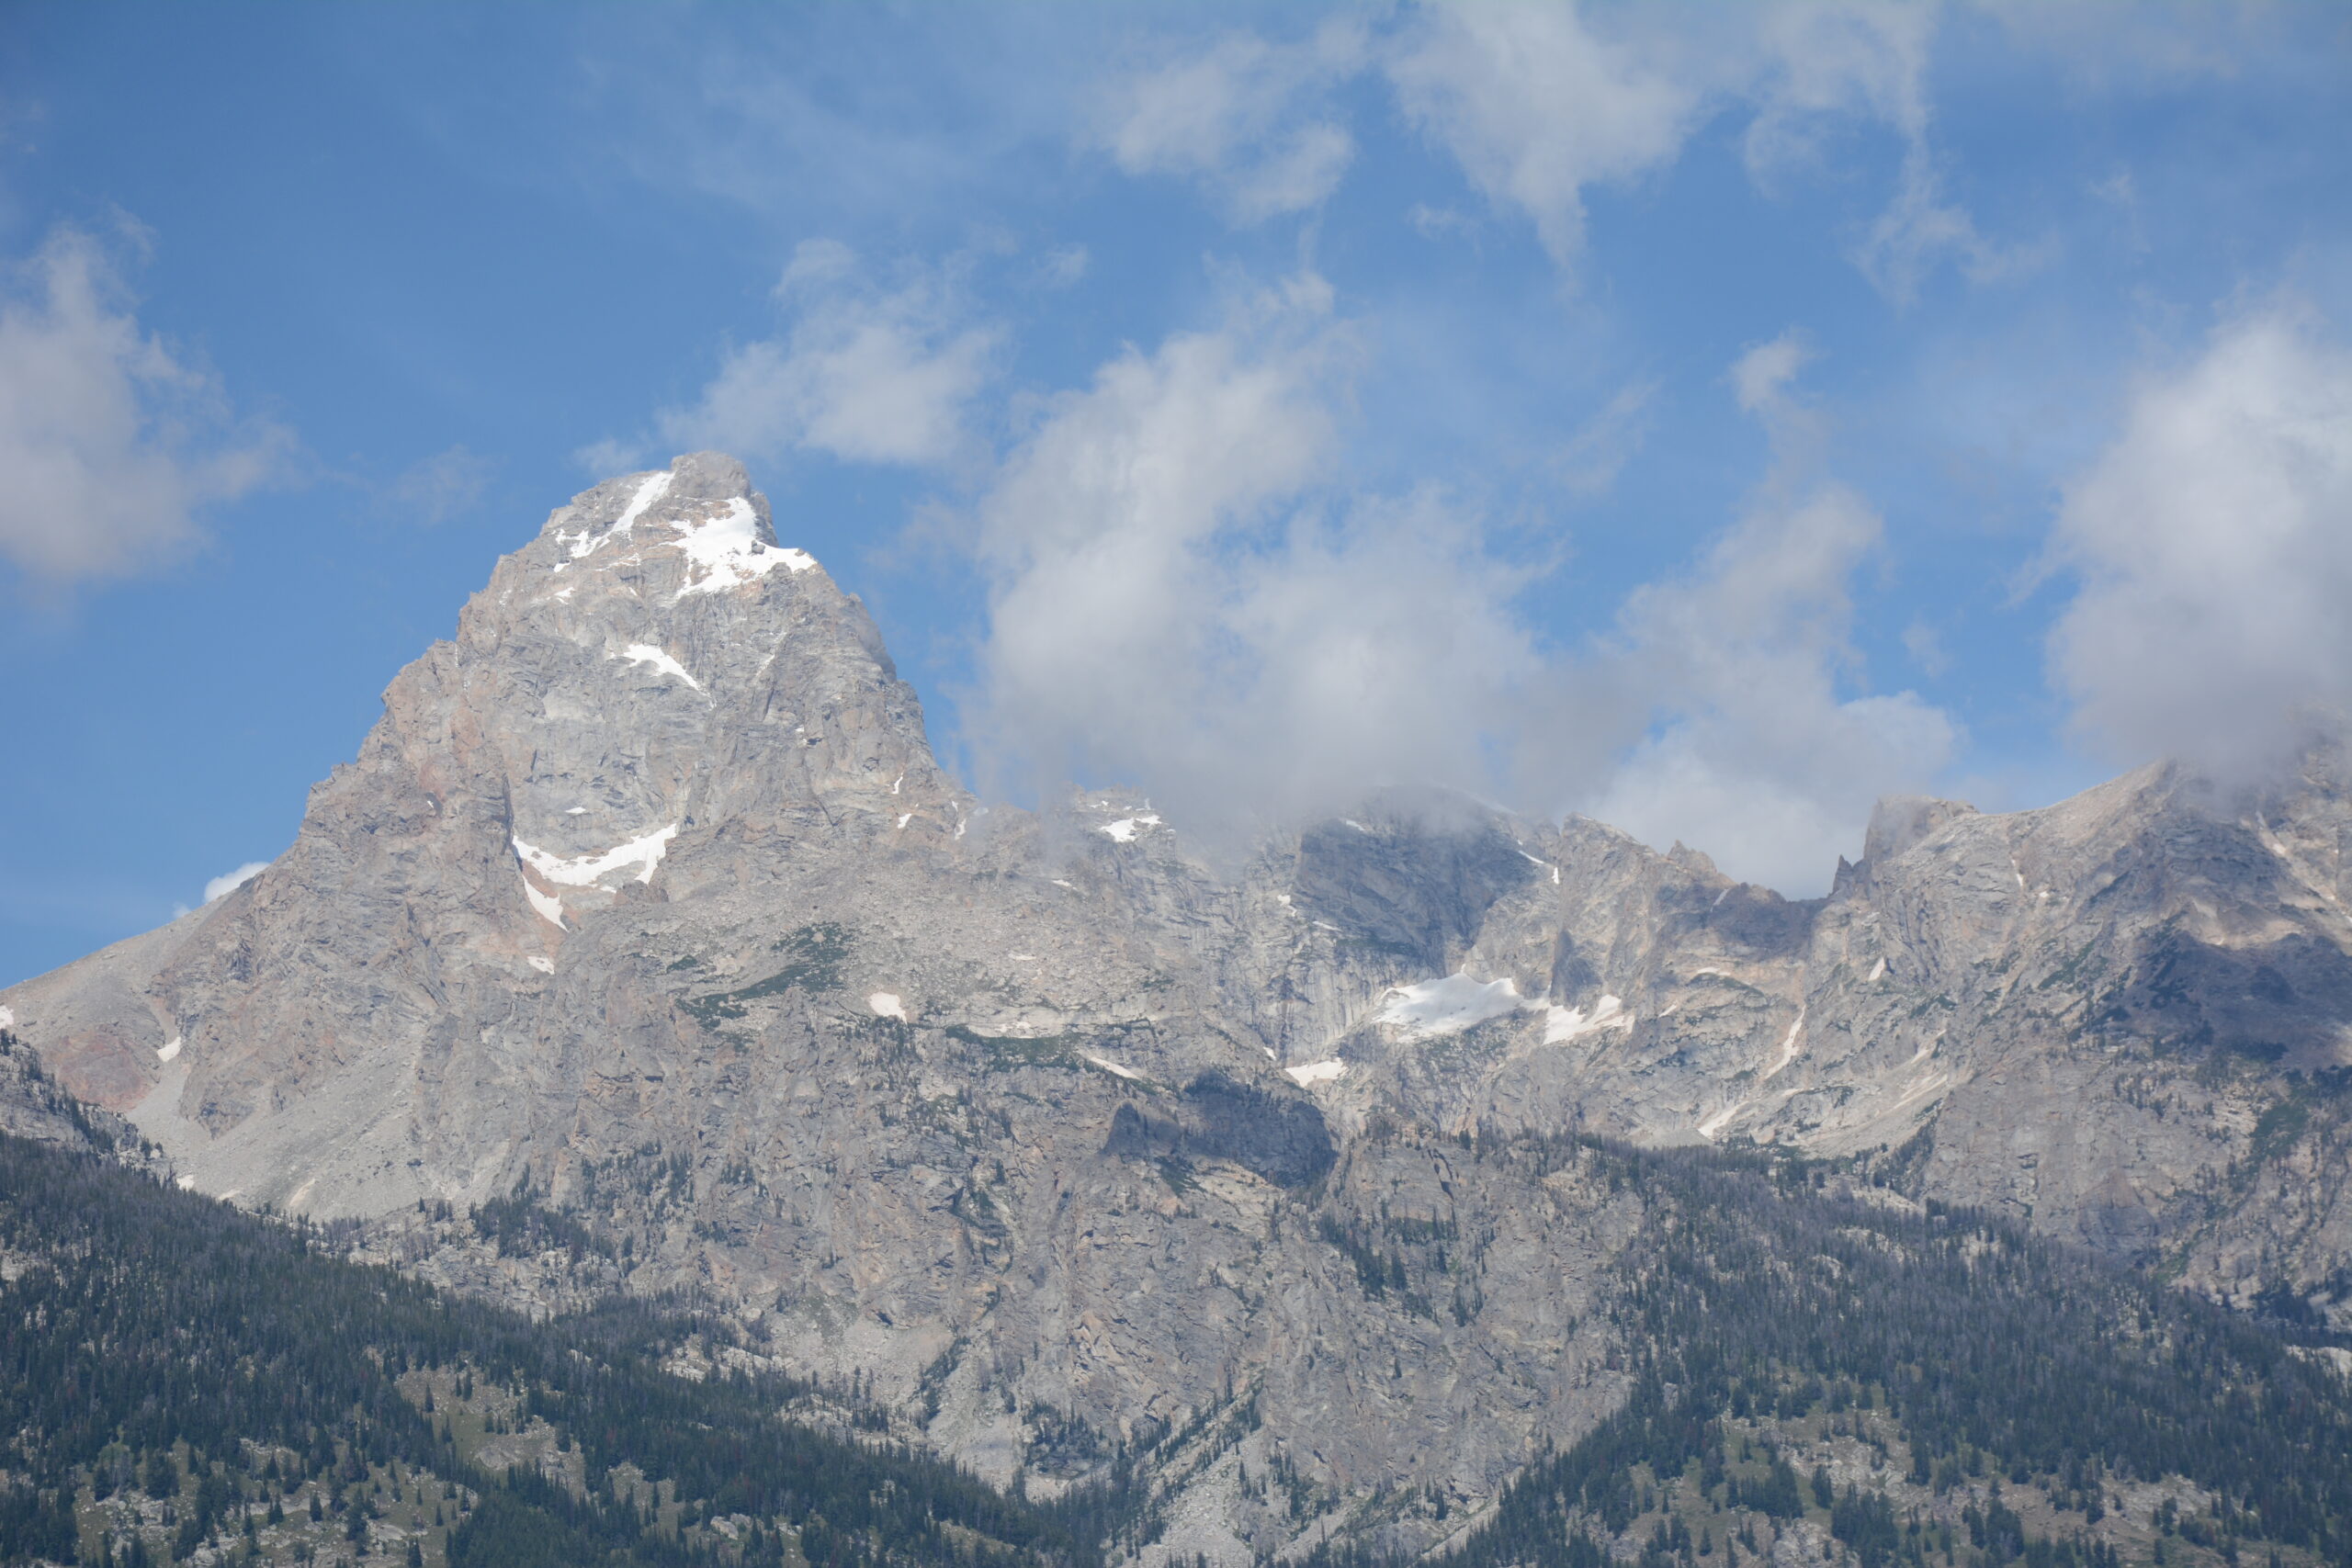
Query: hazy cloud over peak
x=228, y=882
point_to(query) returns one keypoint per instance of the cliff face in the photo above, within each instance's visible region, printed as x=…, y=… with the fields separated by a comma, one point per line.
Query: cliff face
x=647, y=891
x=2125, y=1017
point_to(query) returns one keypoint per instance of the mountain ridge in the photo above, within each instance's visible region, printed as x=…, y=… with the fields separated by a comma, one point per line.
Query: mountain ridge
x=648, y=896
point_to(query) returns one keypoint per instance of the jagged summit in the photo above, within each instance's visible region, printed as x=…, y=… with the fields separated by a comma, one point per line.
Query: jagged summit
x=696, y=527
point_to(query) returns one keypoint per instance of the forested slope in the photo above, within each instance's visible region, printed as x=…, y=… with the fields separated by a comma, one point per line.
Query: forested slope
x=1826, y=1369
x=178, y=1380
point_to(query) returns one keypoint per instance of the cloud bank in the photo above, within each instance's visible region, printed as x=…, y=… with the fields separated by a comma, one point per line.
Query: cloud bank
x=2213, y=542
x=1183, y=596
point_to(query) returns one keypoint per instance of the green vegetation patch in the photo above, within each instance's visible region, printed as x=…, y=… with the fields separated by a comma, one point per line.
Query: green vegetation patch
x=1007, y=1052
x=814, y=957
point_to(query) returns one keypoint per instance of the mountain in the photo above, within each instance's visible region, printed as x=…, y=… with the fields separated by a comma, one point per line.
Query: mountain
x=646, y=947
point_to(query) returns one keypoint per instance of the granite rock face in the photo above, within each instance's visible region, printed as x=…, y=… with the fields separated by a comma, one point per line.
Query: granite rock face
x=647, y=898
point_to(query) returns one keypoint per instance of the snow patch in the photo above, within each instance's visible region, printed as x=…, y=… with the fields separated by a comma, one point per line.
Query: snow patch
x=1564, y=1024
x=169, y=1049
x=1124, y=830
x=897, y=781
x=1024, y=958
x=1720, y=1119
x=1319, y=1072
x=652, y=490
x=549, y=906
x=886, y=1004
x=1448, y=1006
x=543, y=965
x=7, y=1018
x=1928, y=1085
x=727, y=552
x=1356, y=825
x=646, y=653
x=905, y=818
x=586, y=870
x=1113, y=1068
x=1878, y=970
x=575, y=811
x=1791, y=1044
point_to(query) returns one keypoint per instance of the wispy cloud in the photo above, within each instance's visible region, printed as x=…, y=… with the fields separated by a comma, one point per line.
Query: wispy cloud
x=1247, y=119
x=449, y=484
x=867, y=370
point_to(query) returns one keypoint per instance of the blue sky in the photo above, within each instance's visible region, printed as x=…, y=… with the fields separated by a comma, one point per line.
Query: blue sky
x=1706, y=418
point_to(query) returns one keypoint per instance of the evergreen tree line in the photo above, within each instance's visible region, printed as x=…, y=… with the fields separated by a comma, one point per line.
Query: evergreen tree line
x=159, y=1318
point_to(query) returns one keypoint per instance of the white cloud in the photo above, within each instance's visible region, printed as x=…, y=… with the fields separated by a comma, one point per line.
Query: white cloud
x=221, y=886
x=1537, y=107
x=1720, y=711
x=1170, y=602
x=2214, y=541
x=1243, y=117
x=109, y=441
x=1830, y=60
x=1756, y=755
x=1760, y=378
x=866, y=373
